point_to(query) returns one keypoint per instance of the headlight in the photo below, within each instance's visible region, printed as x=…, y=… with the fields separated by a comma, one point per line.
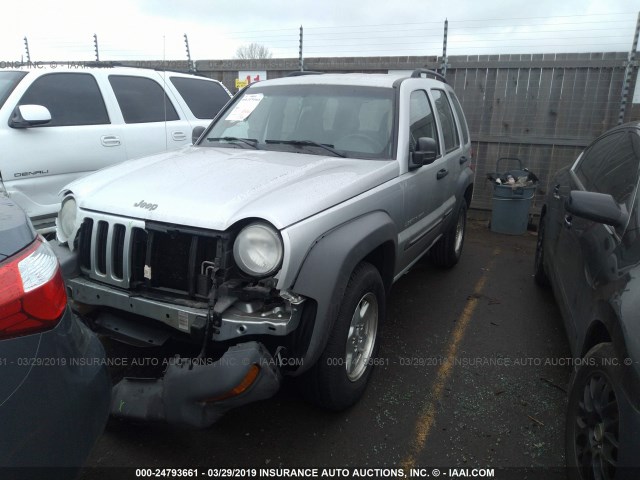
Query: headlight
x=67, y=218
x=258, y=250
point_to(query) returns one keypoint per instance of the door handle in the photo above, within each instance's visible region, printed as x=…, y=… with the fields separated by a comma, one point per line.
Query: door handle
x=463, y=159
x=442, y=173
x=567, y=221
x=556, y=192
x=110, y=141
x=179, y=136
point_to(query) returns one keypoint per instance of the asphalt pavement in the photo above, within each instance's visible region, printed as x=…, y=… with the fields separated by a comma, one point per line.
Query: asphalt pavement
x=473, y=375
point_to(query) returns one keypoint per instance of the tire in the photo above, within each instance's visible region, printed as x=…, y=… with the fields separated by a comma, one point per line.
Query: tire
x=592, y=425
x=539, y=273
x=446, y=252
x=339, y=378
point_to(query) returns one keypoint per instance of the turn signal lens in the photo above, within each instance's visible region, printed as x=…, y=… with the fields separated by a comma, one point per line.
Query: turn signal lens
x=246, y=382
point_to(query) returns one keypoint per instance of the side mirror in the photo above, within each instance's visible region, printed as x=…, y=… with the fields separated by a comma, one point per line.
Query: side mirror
x=598, y=207
x=25, y=116
x=195, y=134
x=426, y=153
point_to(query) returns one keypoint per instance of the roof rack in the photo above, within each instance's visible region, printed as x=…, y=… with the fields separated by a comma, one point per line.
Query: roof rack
x=417, y=73
x=299, y=73
x=100, y=64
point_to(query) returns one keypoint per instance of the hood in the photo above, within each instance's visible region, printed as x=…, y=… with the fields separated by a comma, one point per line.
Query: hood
x=215, y=187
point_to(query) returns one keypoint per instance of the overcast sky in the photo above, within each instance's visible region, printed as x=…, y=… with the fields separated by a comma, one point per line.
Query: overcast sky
x=153, y=29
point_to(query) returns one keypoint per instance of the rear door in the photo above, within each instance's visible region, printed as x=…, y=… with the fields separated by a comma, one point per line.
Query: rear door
x=38, y=161
x=424, y=188
x=449, y=170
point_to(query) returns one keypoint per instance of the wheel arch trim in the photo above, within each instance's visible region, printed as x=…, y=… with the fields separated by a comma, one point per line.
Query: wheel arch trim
x=327, y=268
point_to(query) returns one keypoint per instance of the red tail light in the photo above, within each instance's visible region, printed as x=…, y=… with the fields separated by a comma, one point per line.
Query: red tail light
x=32, y=294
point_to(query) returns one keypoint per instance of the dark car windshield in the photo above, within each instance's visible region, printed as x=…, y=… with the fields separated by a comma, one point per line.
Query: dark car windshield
x=352, y=121
x=8, y=81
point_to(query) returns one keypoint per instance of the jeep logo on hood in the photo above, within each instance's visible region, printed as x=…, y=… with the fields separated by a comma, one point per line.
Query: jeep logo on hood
x=148, y=206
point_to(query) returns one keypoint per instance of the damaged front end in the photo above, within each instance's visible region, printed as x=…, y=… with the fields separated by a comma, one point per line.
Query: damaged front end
x=197, y=392
x=144, y=283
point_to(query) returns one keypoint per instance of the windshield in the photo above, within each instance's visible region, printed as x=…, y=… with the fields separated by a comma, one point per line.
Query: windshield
x=338, y=120
x=8, y=81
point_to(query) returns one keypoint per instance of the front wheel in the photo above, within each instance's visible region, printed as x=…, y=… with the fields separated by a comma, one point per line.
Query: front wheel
x=447, y=251
x=340, y=376
x=592, y=435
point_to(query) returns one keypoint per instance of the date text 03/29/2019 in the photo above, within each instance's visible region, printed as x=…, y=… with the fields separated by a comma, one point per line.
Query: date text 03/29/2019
x=315, y=473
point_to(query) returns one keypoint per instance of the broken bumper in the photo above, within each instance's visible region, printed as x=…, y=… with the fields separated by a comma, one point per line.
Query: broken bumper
x=197, y=392
x=234, y=322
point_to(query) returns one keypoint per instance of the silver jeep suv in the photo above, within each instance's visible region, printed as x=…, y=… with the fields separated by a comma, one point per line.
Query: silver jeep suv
x=270, y=245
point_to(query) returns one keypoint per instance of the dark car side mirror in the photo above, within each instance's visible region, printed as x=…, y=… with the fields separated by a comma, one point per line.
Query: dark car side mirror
x=426, y=153
x=195, y=134
x=598, y=207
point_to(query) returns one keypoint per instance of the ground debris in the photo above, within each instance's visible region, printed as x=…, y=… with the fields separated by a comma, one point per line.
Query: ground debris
x=491, y=300
x=553, y=384
x=536, y=420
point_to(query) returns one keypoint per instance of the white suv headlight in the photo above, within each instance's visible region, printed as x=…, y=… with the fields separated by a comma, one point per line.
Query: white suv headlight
x=67, y=219
x=258, y=250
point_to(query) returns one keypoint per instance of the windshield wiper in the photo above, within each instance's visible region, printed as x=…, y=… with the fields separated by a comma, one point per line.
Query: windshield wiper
x=309, y=143
x=252, y=142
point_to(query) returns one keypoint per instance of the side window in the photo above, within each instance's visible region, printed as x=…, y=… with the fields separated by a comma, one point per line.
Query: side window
x=421, y=123
x=204, y=99
x=142, y=100
x=594, y=159
x=445, y=114
x=72, y=99
x=461, y=118
x=611, y=166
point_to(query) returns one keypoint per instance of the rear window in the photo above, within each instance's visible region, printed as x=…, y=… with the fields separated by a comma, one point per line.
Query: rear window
x=461, y=118
x=204, y=98
x=449, y=128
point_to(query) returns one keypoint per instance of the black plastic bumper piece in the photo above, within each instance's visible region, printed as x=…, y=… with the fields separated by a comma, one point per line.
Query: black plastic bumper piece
x=184, y=396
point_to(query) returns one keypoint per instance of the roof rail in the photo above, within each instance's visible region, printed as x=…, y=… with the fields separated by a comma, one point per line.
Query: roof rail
x=102, y=64
x=299, y=73
x=417, y=73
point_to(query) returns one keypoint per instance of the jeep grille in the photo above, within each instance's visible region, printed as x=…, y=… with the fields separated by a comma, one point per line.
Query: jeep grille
x=148, y=256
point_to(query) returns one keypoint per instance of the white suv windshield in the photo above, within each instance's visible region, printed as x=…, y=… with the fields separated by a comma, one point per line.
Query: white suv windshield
x=318, y=119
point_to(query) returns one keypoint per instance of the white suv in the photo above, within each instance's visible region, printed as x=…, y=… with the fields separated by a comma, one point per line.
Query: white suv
x=57, y=124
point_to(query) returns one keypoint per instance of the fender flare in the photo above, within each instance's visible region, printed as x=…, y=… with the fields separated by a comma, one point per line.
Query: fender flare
x=327, y=268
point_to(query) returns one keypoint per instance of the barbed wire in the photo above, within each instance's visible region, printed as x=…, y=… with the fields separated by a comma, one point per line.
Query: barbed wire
x=534, y=34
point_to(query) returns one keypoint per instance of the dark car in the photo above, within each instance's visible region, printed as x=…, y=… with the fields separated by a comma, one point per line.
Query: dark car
x=589, y=252
x=54, y=385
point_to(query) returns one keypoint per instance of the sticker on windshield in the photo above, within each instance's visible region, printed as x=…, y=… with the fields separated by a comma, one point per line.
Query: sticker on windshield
x=245, y=107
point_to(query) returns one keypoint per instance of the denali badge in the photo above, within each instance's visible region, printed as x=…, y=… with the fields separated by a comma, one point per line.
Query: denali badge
x=148, y=206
